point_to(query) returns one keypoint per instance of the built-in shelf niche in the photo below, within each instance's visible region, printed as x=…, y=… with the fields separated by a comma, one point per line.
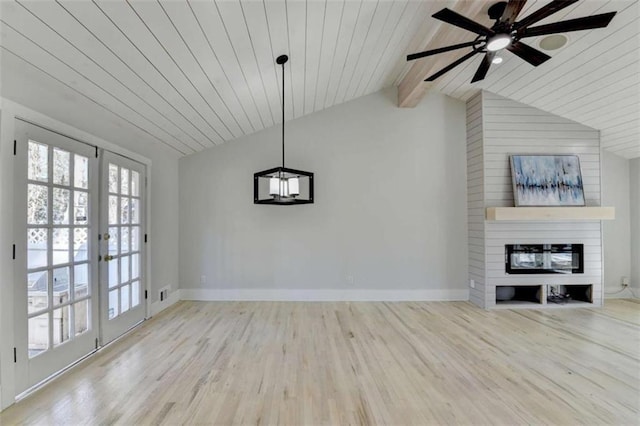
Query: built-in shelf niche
x=549, y=213
x=542, y=296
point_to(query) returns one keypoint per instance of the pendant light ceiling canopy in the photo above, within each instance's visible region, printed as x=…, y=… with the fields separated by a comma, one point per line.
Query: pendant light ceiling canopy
x=280, y=185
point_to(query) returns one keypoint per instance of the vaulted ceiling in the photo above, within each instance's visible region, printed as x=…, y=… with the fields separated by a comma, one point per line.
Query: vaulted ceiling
x=194, y=74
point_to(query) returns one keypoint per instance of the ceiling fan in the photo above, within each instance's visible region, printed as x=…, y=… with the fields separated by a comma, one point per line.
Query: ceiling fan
x=506, y=33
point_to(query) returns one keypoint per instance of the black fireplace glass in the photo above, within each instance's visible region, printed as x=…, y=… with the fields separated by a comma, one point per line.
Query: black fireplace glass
x=544, y=258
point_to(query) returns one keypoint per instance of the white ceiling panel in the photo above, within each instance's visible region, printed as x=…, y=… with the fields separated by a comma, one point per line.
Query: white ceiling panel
x=194, y=74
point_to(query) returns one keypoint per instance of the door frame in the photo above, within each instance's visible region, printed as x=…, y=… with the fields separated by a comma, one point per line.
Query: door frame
x=11, y=111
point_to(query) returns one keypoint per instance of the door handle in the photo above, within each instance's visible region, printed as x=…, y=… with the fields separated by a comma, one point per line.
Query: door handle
x=108, y=258
x=106, y=236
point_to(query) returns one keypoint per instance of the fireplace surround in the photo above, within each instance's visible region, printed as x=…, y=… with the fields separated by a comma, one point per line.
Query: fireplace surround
x=495, y=132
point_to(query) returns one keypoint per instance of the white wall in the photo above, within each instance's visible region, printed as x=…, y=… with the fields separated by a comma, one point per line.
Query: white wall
x=389, y=221
x=616, y=233
x=634, y=185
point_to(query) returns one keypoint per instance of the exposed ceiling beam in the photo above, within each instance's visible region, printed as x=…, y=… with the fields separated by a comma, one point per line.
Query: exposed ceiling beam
x=413, y=87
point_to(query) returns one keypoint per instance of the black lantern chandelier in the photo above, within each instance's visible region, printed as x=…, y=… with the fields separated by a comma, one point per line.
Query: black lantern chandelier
x=282, y=186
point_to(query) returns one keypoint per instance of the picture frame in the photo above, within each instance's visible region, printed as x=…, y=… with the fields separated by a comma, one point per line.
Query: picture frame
x=545, y=180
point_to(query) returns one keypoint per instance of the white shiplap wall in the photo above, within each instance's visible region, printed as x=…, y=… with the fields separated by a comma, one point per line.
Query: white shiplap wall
x=475, y=199
x=509, y=127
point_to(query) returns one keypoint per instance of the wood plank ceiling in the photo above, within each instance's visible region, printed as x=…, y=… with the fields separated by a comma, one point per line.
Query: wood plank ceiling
x=194, y=74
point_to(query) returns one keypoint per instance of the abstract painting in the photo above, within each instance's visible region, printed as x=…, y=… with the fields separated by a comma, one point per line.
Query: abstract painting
x=547, y=180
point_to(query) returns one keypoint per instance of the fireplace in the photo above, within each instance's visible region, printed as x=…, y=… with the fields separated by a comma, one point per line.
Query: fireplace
x=544, y=259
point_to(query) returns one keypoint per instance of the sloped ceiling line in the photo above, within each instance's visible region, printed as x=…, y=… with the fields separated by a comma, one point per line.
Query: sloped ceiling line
x=217, y=93
x=195, y=74
x=186, y=126
x=164, y=84
x=200, y=104
x=247, y=66
x=182, y=152
x=73, y=71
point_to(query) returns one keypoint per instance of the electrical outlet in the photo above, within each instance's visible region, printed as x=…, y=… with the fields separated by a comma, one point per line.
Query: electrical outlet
x=164, y=294
x=472, y=283
x=625, y=281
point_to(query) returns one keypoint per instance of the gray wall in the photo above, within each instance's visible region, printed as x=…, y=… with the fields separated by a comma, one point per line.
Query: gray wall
x=616, y=233
x=634, y=185
x=390, y=211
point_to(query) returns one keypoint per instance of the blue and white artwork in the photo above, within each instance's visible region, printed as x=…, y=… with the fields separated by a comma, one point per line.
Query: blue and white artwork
x=547, y=180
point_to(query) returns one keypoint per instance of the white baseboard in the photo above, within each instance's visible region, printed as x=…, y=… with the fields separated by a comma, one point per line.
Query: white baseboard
x=625, y=293
x=322, y=295
x=158, y=306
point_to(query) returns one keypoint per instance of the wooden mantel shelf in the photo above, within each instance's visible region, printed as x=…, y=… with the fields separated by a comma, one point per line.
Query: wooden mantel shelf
x=550, y=213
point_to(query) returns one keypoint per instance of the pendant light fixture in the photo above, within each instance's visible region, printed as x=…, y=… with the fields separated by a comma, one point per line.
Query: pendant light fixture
x=283, y=186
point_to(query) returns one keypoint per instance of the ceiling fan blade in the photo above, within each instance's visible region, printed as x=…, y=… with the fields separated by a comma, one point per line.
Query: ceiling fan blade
x=451, y=66
x=454, y=18
x=484, y=67
x=439, y=50
x=543, y=12
x=528, y=53
x=578, y=24
x=511, y=11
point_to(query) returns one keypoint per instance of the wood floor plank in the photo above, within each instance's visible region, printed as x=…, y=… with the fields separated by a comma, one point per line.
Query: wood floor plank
x=355, y=363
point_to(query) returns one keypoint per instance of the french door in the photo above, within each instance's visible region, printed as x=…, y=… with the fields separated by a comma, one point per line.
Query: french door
x=79, y=233
x=56, y=211
x=122, y=234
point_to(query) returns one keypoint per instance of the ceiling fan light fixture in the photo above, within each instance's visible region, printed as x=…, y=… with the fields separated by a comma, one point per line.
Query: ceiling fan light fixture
x=496, y=60
x=498, y=42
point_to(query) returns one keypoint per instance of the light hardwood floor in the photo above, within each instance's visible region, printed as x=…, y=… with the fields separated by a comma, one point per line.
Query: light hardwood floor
x=356, y=363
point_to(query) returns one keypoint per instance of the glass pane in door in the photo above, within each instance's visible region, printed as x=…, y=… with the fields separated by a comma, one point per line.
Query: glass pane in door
x=37, y=243
x=38, y=158
x=81, y=317
x=61, y=325
x=38, y=291
x=81, y=172
x=38, y=334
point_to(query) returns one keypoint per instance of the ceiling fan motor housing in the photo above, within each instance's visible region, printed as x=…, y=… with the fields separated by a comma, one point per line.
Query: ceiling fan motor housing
x=496, y=10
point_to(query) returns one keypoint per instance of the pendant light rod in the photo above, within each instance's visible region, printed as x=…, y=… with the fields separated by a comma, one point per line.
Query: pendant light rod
x=281, y=60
